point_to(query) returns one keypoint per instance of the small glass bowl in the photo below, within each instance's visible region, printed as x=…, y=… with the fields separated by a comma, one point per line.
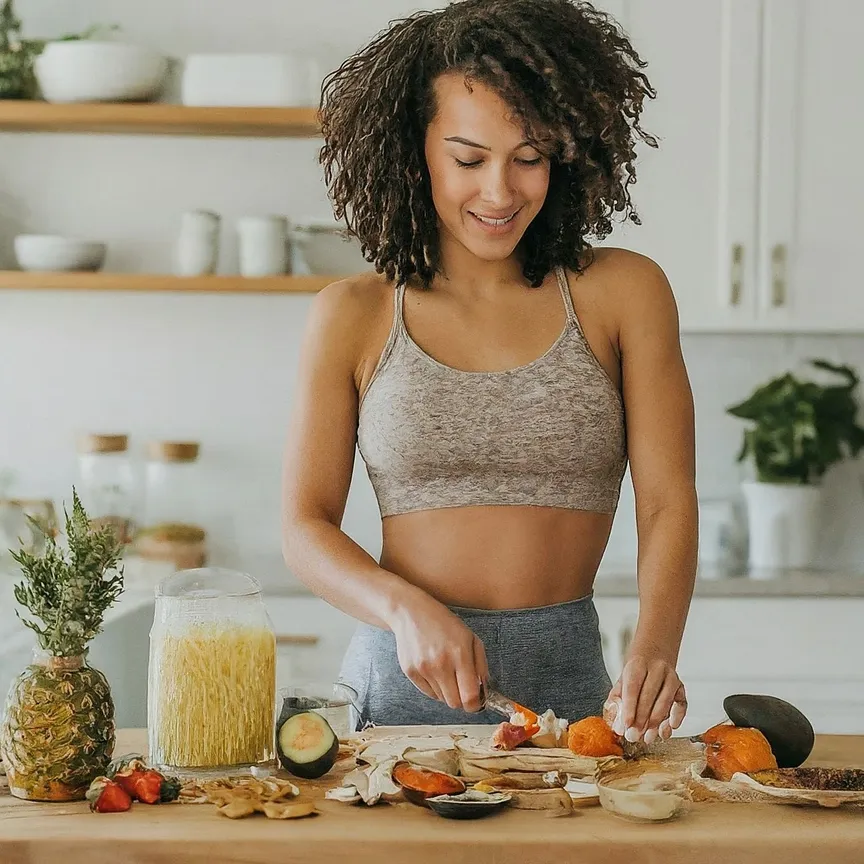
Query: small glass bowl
x=655, y=796
x=337, y=703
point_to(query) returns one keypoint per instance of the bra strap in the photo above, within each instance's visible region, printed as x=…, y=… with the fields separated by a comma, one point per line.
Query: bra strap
x=564, y=287
x=398, y=311
x=396, y=327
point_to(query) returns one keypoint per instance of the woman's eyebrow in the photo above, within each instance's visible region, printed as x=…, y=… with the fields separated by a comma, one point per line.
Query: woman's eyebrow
x=457, y=140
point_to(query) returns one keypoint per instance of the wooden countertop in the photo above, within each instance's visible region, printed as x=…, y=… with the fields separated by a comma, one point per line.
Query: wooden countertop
x=32, y=833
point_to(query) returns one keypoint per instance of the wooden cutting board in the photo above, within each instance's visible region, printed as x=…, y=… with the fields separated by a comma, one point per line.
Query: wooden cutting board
x=33, y=833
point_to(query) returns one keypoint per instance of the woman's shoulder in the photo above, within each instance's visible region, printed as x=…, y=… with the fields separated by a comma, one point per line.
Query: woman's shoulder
x=624, y=289
x=360, y=294
x=352, y=314
x=623, y=280
x=623, y=267
x=356, y=301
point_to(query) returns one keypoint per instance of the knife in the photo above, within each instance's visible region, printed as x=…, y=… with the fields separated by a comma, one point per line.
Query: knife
x=492, y=700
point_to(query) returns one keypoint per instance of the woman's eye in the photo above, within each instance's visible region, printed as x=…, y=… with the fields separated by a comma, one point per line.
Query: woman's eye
x=528, y=162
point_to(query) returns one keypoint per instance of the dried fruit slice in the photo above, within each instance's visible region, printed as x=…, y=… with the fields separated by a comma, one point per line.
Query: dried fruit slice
x=824, y=779
x=288, y=809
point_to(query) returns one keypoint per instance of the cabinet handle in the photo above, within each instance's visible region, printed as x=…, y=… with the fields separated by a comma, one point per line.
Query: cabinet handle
x=737, y=274
x=778, y=275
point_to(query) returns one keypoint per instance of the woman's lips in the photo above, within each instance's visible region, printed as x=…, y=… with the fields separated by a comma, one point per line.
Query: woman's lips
x=492, y=225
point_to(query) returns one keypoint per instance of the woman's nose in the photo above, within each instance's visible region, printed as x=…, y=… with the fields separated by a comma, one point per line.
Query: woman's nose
x=497, y=189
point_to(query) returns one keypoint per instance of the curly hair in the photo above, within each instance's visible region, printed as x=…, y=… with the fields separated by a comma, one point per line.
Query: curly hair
x=572, y=79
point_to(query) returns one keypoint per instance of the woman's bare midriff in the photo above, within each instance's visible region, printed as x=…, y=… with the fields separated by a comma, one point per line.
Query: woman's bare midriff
x=497, y=557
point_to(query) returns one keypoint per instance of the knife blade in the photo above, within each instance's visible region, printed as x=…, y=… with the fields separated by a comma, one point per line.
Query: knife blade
x=492, y=700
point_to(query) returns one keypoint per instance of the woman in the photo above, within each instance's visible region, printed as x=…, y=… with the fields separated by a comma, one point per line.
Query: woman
x=496, y=373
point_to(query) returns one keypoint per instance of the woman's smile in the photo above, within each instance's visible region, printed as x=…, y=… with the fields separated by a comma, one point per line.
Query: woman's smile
x=495, y=225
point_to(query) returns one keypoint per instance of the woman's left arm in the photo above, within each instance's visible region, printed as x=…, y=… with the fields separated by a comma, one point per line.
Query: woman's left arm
x=661, y=446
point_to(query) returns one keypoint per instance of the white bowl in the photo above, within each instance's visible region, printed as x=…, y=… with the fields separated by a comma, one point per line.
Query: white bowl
x=82, y=70
x=320, y=248
x=246, y=80
x=51, y=253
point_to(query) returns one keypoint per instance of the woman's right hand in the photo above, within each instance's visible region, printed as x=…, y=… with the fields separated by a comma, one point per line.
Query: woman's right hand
x=439, y=654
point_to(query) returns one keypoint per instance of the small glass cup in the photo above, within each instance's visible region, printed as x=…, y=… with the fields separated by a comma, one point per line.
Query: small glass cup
x=337, y=703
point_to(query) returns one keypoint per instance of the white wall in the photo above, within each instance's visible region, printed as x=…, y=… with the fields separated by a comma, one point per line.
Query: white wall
x=221, y=369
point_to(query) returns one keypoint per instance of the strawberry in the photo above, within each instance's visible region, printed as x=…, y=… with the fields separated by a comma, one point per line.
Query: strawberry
x=151, y=787
x=106, y=796
x=146, y=784
x=126, y=771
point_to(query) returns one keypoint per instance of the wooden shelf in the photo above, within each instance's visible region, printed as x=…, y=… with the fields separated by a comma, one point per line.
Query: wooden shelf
x=49, y=281
x=154, y=118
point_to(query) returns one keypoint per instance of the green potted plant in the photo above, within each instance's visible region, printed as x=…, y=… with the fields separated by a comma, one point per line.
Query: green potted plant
x=17, y=80
x=57, y=732
x=798, y=430
x=18, y=55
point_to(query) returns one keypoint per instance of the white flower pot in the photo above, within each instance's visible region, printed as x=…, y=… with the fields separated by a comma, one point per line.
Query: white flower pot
x=783, y=526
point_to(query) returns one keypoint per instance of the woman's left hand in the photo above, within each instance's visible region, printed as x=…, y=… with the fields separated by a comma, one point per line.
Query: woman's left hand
x=648, y=700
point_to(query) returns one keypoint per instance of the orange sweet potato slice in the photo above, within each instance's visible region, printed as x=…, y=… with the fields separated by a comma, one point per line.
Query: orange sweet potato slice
x=418, y=783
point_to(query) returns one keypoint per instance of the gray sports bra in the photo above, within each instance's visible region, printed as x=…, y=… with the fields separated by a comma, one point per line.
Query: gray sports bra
x=549, y=433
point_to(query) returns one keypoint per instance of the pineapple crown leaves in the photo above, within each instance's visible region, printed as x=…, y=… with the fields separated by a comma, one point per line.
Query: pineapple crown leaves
x=70, y=590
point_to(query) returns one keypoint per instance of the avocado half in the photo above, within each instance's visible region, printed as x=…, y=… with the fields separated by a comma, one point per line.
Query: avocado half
x=307, y=745
x=787, y=730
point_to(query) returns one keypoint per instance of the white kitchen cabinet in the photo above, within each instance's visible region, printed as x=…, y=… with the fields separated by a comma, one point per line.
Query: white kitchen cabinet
x=751, y=203
x=312, y=637
x=808, y=651
x=812, y=176
x=696, y=193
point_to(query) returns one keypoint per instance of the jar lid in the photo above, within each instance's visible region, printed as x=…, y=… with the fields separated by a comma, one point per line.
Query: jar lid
x=103, y=443
x=173, y=451
x=204, y=583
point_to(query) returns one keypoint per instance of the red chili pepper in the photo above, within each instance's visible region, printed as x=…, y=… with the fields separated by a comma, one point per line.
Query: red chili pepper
x=106, y=796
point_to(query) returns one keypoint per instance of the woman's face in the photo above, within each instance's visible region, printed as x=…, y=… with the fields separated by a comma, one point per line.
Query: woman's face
x=488, y=182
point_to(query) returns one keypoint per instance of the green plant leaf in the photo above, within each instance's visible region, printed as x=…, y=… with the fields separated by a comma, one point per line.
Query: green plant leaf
x=800, y=428
x=846, y=371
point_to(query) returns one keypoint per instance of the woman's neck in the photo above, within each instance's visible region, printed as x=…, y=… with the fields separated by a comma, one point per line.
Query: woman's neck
x=461, y=269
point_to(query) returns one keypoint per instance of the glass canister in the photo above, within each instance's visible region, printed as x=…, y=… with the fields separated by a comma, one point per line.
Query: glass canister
x=107, y=482
x=211, y=691
x=171, y=529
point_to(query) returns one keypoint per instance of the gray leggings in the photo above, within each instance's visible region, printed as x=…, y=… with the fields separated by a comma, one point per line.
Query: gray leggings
x=543, y=657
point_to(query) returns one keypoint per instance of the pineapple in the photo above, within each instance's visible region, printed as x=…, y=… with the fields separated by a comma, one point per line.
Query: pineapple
x=57, y=734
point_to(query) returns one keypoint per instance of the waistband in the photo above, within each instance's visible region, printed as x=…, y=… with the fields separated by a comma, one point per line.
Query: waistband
x=523, y=610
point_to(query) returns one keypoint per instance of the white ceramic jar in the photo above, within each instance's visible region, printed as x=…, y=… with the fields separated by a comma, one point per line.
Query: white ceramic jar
x=263, y=245
x=197, y=251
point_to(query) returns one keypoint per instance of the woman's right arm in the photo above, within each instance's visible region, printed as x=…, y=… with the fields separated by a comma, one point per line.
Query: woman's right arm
x=436, y=651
